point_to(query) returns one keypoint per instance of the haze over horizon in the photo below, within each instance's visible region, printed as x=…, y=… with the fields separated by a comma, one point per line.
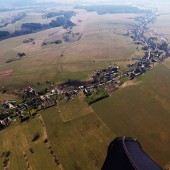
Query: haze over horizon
x=12, y=3
x=76, y=74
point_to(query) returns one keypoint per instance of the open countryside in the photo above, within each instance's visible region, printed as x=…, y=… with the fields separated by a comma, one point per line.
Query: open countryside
x=84, y=77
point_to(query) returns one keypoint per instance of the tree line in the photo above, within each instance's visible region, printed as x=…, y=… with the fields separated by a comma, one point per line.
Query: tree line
x=28, y=28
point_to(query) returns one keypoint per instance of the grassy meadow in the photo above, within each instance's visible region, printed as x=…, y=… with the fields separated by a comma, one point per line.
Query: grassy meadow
x=142, y=111
x=80, y=134
x=97, y=95
x=18, y=140
x=96, y=49
x=80, y=143
x=71, y=110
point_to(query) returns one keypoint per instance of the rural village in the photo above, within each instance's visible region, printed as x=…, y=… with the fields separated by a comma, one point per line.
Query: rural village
x=102, y=81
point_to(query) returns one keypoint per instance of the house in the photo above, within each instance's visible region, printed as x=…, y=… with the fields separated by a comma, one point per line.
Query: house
x=139, y=70
x=81, y=87
x=68, y=94
x=154, y=60
x=87, y=92
x=115, y=69
x=5, y=122
x=75, y=92
x=9, y=105
x=25, y=107
x=118, y=82
x=31, y=92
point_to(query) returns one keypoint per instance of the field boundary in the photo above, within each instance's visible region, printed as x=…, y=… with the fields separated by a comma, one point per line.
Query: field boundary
x=102, y=121
x=46, y=137
x=76, y=117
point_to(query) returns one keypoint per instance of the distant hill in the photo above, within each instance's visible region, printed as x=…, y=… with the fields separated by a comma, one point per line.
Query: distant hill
x=111, y=9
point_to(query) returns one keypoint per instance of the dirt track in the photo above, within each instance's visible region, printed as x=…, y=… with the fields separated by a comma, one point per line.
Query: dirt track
x=129, y=83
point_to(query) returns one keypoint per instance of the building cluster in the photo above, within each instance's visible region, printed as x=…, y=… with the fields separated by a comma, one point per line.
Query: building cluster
x=154, y=52
x=31, y=101
x=111, y=76
x=5, y=122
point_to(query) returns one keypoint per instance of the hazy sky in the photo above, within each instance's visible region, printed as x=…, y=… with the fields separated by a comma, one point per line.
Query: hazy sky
x=84, y=1
x=10, y=2
x=78, y=1
x=5, y=3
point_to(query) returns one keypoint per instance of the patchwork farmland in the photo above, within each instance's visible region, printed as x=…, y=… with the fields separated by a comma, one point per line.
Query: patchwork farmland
x=77, y=88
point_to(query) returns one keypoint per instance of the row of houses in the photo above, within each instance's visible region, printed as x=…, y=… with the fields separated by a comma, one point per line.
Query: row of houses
x=112, y=75
x=154, y=53
x=5, y=122
x=32, y=101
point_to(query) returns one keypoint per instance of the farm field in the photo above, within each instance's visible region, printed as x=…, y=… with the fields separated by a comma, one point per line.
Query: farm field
x=74, y=134
x=17, y=139
x=162, y=26
x=70, y=110
x=167, y=63
x=5, y=97
x=80, y=143
x=91, y=131
x=96, y=49
x=142, y=111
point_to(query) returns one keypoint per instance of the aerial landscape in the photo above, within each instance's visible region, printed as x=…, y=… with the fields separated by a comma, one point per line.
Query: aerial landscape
x=74, y=75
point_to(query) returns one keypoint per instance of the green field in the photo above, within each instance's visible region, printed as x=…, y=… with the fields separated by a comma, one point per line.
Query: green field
x=97, y=95
x=79, y=134
x=70, y=110
x=18, y=140
x=142, y=111
x=81, y=143
x=80, y=137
